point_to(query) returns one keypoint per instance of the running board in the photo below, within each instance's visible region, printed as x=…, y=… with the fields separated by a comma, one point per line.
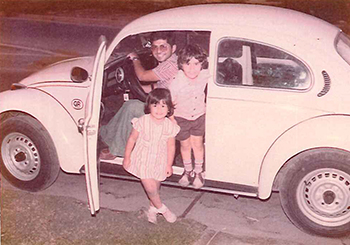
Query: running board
x=117, y=171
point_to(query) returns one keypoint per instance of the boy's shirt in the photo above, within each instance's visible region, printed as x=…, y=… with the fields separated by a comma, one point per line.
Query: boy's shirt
x=188, y=96
x=166, y=71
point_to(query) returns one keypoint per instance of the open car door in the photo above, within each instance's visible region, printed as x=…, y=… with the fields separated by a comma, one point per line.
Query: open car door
x=91, y=126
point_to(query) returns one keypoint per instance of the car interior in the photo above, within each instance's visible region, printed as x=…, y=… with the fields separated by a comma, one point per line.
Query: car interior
x=120, y=81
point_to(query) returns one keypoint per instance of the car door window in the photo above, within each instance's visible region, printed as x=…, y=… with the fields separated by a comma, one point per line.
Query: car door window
x=245, y=63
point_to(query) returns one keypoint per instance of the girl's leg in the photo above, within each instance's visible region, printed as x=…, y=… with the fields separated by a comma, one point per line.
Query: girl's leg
x=198, y=151
x=152, y=187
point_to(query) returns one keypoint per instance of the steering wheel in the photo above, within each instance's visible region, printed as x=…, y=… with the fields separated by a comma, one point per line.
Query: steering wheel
x=132, y=81
x=148, y=62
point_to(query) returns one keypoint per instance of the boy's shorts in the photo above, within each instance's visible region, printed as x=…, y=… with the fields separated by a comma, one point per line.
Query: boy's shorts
x=189, y=127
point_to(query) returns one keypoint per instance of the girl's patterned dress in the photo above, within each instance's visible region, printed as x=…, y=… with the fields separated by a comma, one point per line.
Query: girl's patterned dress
x=149, y=156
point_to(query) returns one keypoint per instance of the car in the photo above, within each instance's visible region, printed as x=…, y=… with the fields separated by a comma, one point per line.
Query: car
x=277, y=114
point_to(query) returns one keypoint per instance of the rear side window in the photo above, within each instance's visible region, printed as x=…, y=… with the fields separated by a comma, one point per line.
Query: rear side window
x=343, y=47
x=246, y=63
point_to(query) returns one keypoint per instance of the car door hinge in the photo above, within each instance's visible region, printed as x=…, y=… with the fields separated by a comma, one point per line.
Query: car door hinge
x=81, y=122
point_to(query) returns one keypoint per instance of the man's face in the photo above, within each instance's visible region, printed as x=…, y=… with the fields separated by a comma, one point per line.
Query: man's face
x=162, y=50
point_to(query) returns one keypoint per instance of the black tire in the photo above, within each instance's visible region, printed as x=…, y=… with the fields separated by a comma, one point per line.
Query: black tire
x=315, y=192
x=28, y=156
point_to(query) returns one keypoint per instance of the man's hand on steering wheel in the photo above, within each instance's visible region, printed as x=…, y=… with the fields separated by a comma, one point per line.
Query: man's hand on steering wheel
x=133, y=56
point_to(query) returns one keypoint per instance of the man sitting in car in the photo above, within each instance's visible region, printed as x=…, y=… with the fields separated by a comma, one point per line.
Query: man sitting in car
x=116, y=132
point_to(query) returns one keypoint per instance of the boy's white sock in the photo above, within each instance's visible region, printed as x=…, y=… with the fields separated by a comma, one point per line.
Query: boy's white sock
x=198, y=166
x=188, y=165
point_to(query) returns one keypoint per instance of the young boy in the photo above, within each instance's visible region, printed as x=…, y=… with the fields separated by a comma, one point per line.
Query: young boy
x=187, y=91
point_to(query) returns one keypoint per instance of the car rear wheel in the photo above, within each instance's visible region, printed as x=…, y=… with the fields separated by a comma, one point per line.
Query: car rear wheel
x=28, y=157
x=315, y=193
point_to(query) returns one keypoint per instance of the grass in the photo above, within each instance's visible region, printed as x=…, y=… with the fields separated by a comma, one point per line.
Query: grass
x=38, y=219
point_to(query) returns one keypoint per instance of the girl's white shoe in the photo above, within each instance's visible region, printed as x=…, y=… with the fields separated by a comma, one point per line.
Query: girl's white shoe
x=167, y=214
x=152, y=214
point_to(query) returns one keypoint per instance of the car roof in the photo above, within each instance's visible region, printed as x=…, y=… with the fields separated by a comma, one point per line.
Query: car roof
x=249, y=16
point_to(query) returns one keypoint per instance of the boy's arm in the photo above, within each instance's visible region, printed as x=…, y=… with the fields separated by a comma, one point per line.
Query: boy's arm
x=171, y=155
x=129, y=147
x=172, y=118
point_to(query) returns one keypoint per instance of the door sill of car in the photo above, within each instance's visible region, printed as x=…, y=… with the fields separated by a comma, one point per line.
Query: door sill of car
x=116, y=170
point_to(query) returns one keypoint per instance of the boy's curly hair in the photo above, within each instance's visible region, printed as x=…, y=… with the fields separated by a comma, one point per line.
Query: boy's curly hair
x=155, y=96
x=192, y=51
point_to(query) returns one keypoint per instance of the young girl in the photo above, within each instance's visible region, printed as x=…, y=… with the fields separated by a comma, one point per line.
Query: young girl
x=187, y=91
x=153, y=136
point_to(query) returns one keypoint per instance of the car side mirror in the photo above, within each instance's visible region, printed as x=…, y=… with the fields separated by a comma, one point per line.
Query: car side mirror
x=79, y=75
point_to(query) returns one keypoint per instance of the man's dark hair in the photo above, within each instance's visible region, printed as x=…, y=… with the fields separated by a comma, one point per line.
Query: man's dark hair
x=155, y=96
x=192, y=51
x=164, y=35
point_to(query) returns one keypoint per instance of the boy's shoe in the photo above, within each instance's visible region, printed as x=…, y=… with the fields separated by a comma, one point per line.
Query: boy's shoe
x=152, y=214
x=186, y=178
x=167, y=214
x=198, y=181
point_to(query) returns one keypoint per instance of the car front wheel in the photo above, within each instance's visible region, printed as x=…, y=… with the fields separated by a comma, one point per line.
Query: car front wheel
x=315, y=193
x=28, y=156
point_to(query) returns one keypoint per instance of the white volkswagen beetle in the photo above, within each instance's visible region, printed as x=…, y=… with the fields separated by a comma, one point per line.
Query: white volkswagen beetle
x=277, y=118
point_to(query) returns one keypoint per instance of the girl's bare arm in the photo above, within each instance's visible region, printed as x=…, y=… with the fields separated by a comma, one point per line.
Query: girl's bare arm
x=129, y=146
x=171, y=155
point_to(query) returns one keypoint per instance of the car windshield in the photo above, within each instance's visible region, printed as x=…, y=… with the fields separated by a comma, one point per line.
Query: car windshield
x=343, y=46
x=133, y=43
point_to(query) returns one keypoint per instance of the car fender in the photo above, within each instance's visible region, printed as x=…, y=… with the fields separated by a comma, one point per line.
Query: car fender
x=53, y=116
x=322, y=131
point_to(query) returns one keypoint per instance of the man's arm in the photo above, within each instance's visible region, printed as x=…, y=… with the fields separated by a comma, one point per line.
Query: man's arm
x=142, y=74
